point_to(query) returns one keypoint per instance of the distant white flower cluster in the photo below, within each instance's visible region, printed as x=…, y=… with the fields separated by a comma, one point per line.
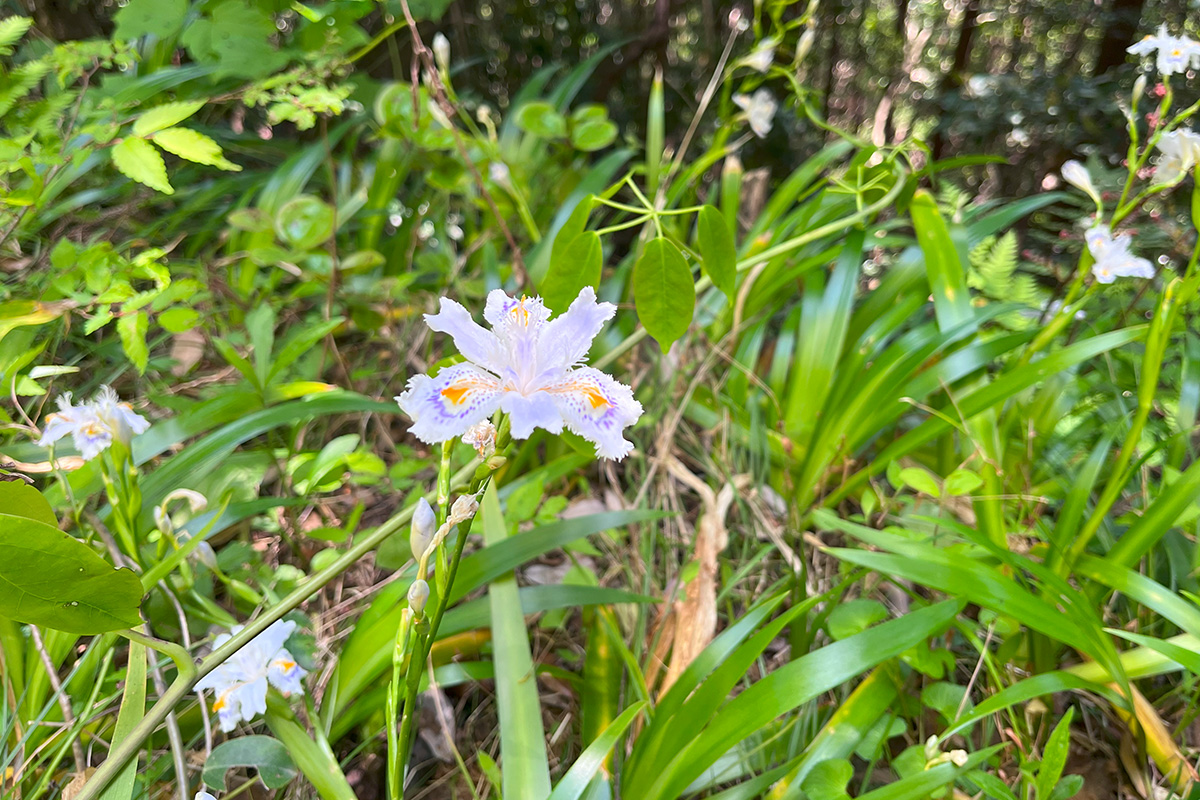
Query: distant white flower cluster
x=1173, y=54
x=1180, y=153
x=240, y=683
x=94, y=425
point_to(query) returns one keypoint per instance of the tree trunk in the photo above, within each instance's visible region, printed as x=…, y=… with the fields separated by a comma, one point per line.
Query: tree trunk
x=952, y=81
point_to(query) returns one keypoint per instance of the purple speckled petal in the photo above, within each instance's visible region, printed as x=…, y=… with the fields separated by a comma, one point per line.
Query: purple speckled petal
x=598, y=408
x=444, y=407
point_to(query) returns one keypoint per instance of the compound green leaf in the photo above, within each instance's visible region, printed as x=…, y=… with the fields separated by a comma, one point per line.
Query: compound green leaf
x=717, y=250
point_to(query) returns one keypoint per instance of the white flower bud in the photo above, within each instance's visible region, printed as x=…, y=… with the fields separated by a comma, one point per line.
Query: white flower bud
x=441, y=51
x=958, y=758
x=1077, y=175
x=205, y=555
x=424, y=525
x=483, y=113
x=162, y=520
x=1139, y=88
x=806, y=44
x=418, y=595
x=463, y=509
x=498, y=172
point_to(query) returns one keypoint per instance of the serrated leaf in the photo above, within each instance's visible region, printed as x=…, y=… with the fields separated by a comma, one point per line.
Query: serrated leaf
x=178, y=320
x=717, y=250
x=265, y=754
x=49, y=578
x=165, y=116
x=578, y=266
x=137, y=160
x=11, y=31
x=132, y=330
x=194, y=146
x=663, y=292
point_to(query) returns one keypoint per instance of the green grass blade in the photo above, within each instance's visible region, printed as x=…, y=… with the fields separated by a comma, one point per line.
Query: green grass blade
x=525, y=769
x=575, y=782
x=133, y=708
x=946, y=272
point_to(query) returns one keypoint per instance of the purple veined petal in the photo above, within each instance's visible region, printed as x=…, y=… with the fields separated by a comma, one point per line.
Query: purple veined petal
x=527, y=412
x=444, y=407
x=475, y=342
x=285, y=674
x=57, y=426
x=598, y=408
x=566, y=339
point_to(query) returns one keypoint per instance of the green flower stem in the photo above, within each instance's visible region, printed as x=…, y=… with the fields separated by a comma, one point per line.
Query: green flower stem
x=778, y=250
x=400, y=651
x=128, y=748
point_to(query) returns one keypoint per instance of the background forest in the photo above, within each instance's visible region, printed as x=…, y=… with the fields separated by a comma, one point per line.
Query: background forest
x=644, y=400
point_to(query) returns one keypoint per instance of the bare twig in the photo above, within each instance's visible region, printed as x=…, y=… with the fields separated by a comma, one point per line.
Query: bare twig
x=64, y=702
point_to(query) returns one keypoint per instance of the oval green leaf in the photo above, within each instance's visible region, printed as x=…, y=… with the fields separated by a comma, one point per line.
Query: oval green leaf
x=578, y=266
x=541, y=119
x=19, y=499
x=304, y=222
x=264, y=753
x=717, y=250
x=51, y=579
x=663, y=292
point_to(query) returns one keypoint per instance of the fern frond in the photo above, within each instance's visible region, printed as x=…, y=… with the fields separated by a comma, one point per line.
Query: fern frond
x=11, y=31
x=19, y=83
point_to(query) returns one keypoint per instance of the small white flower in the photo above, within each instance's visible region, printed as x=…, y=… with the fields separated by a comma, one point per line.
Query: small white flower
x=1113, y=259
x=1180, y=153
x=498, y=172
x=241, y=682
x=760, y=110
x=763, y=55
x=959, y=758
x=528, y=366
x=94, y=425
x=1172, y=53
x=481, y=436
x=441, y=51
x=1077, y=175
x=204, y=796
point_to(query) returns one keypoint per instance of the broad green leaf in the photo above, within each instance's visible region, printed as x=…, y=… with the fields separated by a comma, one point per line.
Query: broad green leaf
x=165, y=116
x=194, y=146
x=717, y=250
x=920, y=479
x=663, y=292
x=159, y=18
x=133, y=708
x=139, y=161
x=1186, y=657
x=49, y=578
x=578, y=266
x=132, y=330
x=962, y=481
x=266, y=755
x=854, y=616
x=313, y=757
x=178, y=320
x=828, y=779
x=304, y=222
x=571, y=227
x=593, y=134
x=19, y=499
x=946, y=272
x=525, y=770
x=541, y=119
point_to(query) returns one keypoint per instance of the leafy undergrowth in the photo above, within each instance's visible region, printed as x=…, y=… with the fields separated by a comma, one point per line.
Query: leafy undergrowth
x=423, y=449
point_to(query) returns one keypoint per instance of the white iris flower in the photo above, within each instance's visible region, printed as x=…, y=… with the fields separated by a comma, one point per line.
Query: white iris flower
x=528, y=366
x=93, y=425
x=1180, y=153
x=1172, y=53
x=240, y=684
x=1113, y=259
x=760, y=110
